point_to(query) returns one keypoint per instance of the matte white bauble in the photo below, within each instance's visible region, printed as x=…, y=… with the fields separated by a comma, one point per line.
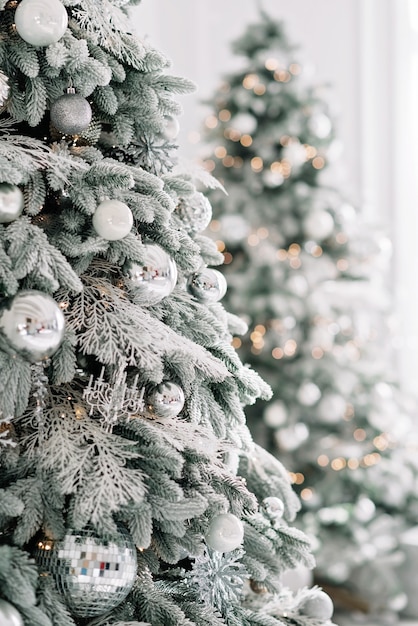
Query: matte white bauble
x=317, y=606
x=9, y=616
x=113, y=220
x=41, y=22
x=11, y=203
x=318, y=225
x=225, y=533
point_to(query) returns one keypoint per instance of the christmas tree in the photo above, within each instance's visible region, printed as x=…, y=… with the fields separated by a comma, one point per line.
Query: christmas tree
x=131, y=491
x=309, y=278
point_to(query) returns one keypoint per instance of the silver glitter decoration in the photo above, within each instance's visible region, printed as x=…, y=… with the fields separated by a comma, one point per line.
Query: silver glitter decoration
x=154, y=278
x=71, y=113
x=94, y=574
x=4, y=88
x=207, y=285
x=33, y=324
x=167, y=400
x=195, y=212
x=114, y=400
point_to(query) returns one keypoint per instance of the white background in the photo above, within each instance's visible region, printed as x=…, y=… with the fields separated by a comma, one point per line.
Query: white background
x=364, y=49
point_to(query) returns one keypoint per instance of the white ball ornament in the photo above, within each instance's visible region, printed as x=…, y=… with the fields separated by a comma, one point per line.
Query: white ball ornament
x=171, y=127
x=208, y=285
x=11, y=203
x=9, y=616
x=317, y=606
x=41, y=22
x=71, y=114
x=33, y=325
x=167, y=400
x=113, y=220
x=225, y=533
x=318, y=225
x=155, y=278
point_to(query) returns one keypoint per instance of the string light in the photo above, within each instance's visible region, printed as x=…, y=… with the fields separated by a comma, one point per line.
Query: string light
x=249, y=81
x=306, y=494
x=323, y=460
x=277, y=353
x=220, y=245
x=317, y=353
x=341, y=238
x=316, y=251
x=215, y=226
x=353, y=464
x=260, y=329
x=342, y=265
x=209, y=165
x=257, y=163
x=290, y=347
x=232, y=134
x=224, y=115
x=238, y=162
x=227, y=258
x=220, y=152
x=246, y=140
x=311, y=152
x=259, y=89
x=295, y=69
x=211, y=121
x=294, y=249
x=236, y=343
x=262, y=232
x=281, y=254
x=359, y=434
x=253, y=240
x=271, y=64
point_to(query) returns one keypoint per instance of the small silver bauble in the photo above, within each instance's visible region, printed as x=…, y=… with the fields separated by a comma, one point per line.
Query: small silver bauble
x=208, y=285
x=113, y=220
x=226, y=532
x=33, y=325
x=9, y=616
x=195, y=212
x=274, y=507
x=317, y=606
x=41, y=22
x=11, y=203
x=167, y=400
x=71, y=113
x=171, y=127
x=94, y=574
x=154, y=278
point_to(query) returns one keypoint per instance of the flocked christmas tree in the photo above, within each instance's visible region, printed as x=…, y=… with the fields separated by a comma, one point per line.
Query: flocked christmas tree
x=131, y=491
x=309, y=278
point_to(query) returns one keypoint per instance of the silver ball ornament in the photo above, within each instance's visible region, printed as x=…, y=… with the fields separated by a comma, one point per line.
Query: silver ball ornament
x=274, y=507
x=11, y=203
x=154, y=278
x=208, y=285
x=94, y=574
x=41, y=22
x=317, y=606
x=113, y=220
x=9, y=616
x=33, y=325
x=226, y=533
x=71, y=114
x=171, y=127
x=195, y=212
x=167, y=400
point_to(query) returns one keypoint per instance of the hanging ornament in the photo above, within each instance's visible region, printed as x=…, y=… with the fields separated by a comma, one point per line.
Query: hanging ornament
x=171, y=127
x=112, y=220
x=195, y=212
x=94, y=574
x=71, y=113
x=207, y=285
x=11, y=203
x=318, y=225
x=33, y=324
x=226, y=532
x=274, y=507
x=154, y=278
x=9, y=616
x=4, y=88
x=167, y=400
x=318, y=605
x=41, y=22
x=258, y=587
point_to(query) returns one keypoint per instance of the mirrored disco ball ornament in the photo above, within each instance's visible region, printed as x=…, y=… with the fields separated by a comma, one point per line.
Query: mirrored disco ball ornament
x=41, y=22
x=195, y=212
x=208, y=285
x=94, y=574
x=113, y=220
x=71, y=113
x=11, y=203
x=9, y=616
x=167, y=400
x=33, y=325
x=154, y=278
x=226, y=532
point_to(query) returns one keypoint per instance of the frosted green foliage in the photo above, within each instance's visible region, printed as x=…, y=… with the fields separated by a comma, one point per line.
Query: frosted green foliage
x=308, y=276
x=83, y=440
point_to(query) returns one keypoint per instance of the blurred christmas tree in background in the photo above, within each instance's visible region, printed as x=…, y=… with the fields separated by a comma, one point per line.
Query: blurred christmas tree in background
x=131, y=492
x=310, y=278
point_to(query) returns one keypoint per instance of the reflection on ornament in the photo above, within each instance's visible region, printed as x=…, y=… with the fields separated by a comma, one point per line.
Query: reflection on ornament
x=195, y=212
x=11, y=203
x=41, y=22
x=9, y=616
x=171, y=127
x=318, y=225
x=71, y=113
x=167, y=400
x=112, y=220
x=226, y=532
x=154, y=278
x=318, y=605
x=94, y=574
x=33, y=325
x=207, y=285
x=258, y=587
